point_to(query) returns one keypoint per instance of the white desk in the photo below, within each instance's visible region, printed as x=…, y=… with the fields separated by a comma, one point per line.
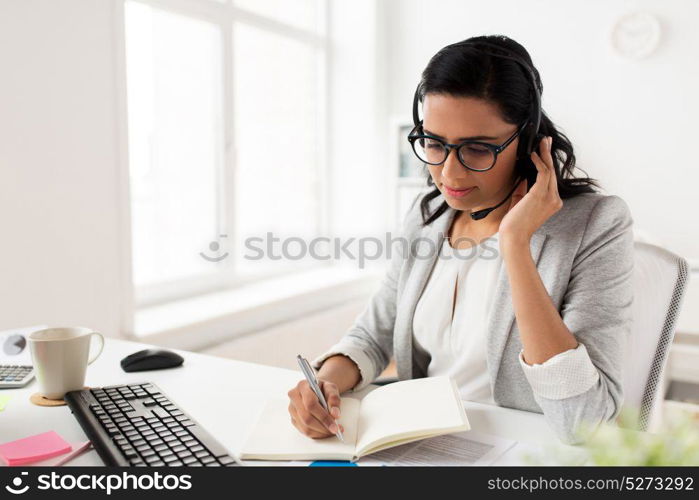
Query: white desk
x=226, y=396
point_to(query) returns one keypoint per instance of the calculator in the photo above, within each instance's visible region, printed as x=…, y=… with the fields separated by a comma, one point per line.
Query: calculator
x=15, y=375
x=15, y=360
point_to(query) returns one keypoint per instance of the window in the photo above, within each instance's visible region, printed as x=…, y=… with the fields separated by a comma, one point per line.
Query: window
x=226, y=138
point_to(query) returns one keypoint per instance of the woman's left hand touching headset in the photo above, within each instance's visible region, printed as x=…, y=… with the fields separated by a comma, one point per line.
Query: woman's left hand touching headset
x=529, y=210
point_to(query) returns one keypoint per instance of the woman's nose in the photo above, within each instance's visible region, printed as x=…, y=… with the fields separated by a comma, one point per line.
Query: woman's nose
x=453, y=169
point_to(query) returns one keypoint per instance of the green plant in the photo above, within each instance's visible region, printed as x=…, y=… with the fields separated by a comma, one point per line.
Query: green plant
x=610, y=444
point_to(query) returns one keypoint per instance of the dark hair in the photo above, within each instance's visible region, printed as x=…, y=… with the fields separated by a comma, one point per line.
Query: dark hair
x=465, y=71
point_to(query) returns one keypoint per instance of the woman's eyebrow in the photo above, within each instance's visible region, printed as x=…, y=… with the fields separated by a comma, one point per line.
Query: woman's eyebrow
x=473, y=138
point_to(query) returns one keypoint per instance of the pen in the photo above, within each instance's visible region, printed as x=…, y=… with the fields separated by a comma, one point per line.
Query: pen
x=313, y=382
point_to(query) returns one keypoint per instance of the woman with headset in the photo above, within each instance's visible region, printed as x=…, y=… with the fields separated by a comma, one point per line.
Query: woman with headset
x=515, y=279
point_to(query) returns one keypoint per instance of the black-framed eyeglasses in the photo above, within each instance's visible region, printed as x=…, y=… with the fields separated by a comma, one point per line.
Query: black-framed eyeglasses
x=474, y=155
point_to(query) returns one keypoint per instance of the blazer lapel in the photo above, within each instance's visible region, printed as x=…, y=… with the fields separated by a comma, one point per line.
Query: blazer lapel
x=502, y=313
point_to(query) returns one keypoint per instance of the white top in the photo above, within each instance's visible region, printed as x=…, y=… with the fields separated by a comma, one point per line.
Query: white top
x=450, y=321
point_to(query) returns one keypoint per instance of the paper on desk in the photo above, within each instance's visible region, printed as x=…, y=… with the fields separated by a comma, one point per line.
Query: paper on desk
x=33, y=448
x=77, y=449
x=463, y=448
x=4, y=398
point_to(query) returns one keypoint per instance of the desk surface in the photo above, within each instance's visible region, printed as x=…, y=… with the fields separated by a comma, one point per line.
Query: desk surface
x=226, y=396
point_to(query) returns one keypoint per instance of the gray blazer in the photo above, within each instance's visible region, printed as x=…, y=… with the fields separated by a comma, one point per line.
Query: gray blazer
x=584, y=255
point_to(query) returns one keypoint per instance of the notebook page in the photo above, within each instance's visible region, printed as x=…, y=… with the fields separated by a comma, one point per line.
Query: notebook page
x=410, y=408
x=274, y=437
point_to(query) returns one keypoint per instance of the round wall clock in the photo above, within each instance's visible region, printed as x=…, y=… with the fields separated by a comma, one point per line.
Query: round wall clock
x=636, y=35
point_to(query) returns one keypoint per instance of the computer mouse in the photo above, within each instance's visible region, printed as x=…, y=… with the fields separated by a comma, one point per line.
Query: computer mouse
x=151, y=359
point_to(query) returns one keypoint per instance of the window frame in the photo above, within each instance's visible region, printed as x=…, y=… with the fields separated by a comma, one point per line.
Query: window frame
x=224, y=15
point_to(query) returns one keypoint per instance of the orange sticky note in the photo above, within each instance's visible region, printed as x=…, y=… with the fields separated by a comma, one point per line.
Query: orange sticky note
x=34, y=448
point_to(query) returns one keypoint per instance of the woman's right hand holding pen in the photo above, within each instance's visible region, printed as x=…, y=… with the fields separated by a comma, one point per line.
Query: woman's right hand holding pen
x=338, y=374
x=308, y=415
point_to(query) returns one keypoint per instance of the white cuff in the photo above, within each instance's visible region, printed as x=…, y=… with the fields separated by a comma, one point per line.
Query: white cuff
x=564, y=375
x=356, y=354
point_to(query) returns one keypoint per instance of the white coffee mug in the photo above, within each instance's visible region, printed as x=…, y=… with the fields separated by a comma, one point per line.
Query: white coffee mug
x=60, y=359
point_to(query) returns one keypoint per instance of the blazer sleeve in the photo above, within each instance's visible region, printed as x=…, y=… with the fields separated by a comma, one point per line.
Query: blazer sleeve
x=596, y=308
x=369, y=341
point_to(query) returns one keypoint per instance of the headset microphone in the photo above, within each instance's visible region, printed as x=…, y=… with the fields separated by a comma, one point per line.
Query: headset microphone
x=480, y=214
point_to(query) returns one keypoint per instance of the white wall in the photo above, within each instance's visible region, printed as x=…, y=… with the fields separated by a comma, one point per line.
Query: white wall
x=59, y=260
x=633, y=123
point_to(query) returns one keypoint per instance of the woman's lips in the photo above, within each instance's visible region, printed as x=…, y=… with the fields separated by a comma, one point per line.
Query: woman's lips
x=457, y=193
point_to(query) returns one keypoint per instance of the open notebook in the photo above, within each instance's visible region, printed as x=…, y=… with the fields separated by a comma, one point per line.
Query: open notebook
x=391, y=415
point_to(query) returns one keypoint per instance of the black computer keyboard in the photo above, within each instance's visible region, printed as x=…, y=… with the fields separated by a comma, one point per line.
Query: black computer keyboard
x=137, y=425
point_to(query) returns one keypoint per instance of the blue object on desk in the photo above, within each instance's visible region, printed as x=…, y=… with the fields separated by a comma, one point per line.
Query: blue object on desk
x=332, y=463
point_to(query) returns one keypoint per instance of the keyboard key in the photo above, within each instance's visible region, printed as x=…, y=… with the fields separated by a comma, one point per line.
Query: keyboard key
x=159, y=412
x=226, y=460
x=203, y=436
